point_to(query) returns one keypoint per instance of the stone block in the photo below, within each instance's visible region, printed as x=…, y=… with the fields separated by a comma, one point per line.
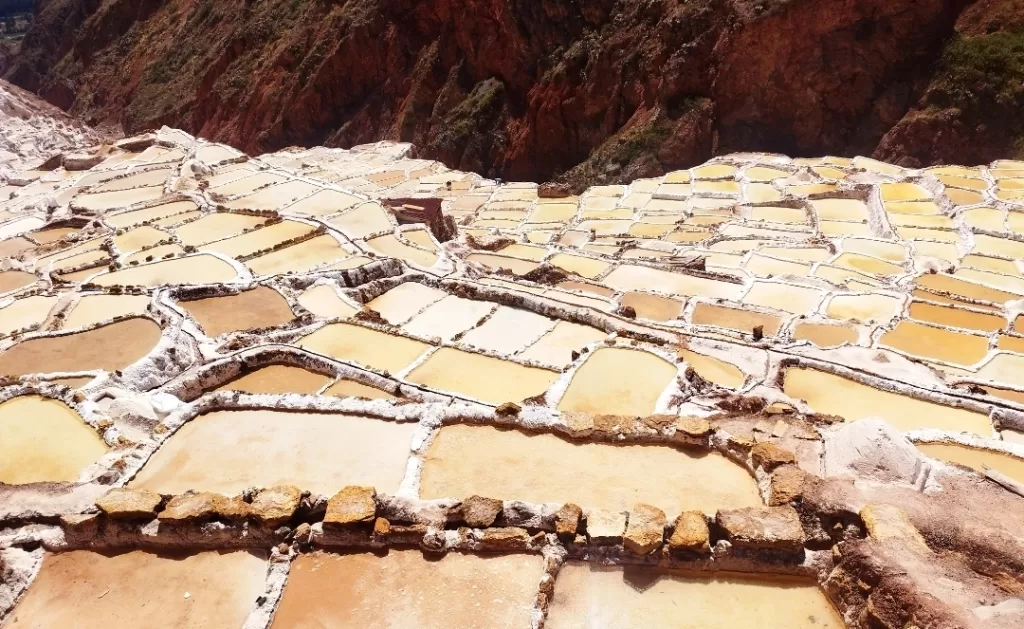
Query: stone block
x=196, y=506
x=691, y=533
x=351, y=506
x=605, y=527
x=505, y=538
x=128, y=504
x=771, y=528
x=787, y=485
x=567, y=520
x=480, y=512
x=276, y=505
x=646, y=529
x=769, y=456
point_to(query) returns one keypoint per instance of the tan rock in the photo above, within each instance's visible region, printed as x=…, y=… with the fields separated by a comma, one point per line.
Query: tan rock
x=78, y=524
x=505, y=538
x=567, y=520
x=480, y=512
x=691, y=533
x=787, y=485
x=276, y=505
x=579, y=424
x=889, y=522
x=646, y=529
x=381, y=527
x=605, y=527
x=695, y=427
x=659, y=423
x=193, y=506
x=350, y=506
x=772, y=528
x=126, y=504
x=769, y=456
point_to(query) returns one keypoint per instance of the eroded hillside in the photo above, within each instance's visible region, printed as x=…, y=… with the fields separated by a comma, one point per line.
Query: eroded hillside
x=592, y=92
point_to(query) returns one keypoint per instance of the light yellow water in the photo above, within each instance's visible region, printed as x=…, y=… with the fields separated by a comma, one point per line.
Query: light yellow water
x=863, y=307
x=630, y=278
x=195, y=269
x=589, y=595
x=364, y=220
x=139, y=238
x=103, y=201
x=228, y=451
x=259, y=240
x=25, y=312
x=380, y=350
x=299, y=258
x=1008, y=368
x=448, y=317
x=324, y=301
x=351, y=388
x=274, y=197
x=841, y=209
x=390, y=246
x=402, y=302
x=508, y=330
x=465, y=460
x=618, y=381
x=714, y=370
x=828, y=393
x=785, y=297
x=976, y=458
x=556, y=347
x=825, y=335
x=956, y=317
x=261, y=307
x=243, y=185
x=517, y=266
x=44, y=441
x=323, y=202
x=487, y=379
x=653, y=307
x=215, y=227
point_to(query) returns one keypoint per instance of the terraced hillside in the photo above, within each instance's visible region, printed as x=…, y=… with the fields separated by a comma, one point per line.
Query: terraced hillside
x=348, y=388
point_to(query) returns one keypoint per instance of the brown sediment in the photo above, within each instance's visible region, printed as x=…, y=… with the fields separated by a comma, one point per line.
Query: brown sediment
x=110, y=347
x=490, y=380
x=277, y=379
x=261, y=307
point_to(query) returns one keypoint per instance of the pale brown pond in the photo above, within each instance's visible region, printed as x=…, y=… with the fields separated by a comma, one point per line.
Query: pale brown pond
x=508, y=330
x=456, y=591
x=216, y=226
x=392, y=247
x=44, y=441
x=13, y=280
x=228, y=451
x=25, y=312
x=351, y=388
x=110, y=347
x=976, y=458
x=142, y=590
x=557, y=346
x=103, y=201
x=926, y=341
x=828, y=393
x=323, y=301
x=490, y=380
x=300, y=257
x=825, y=334
x=715, y=370
x=372, y=348
x=402, y=302
x=618, y=381
x=735, y=319
x=261, y=307
x=588, y=596
x=323, y=202
x=448, y=317
x=465, y=460
x=259, y=240
x=196, y=269
x=277, y=379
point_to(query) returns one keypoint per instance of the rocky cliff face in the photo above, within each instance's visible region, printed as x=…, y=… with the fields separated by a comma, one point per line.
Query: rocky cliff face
x=587, y=91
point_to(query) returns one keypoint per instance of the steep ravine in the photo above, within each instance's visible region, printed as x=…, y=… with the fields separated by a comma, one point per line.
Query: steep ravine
x=589, y=91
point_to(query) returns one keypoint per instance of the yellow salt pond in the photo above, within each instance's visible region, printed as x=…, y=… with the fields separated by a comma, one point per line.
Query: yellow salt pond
x=274, y=197
x=455, y=591
x=261, y=307
x=300, y=257
x=618, y=381
x=13, y=280
x=956, y=317
x=323, y=301
x=785, y=297
x=632, y=278
x=926, y=341
x=103, y=201
x=194, y=269
x=25, y=313
x=216, y=226
x=465, y=460
x=835, y=395
x=557, y=346
x=589, y=595
x=976, y=458
x=508, y=330
x=735, y=319
x=110, y=347
x=714, y=370
x=490, y=380
x=391, y=246
x=229, y=451
x=351, y=388
x=653, y=307
x=404, y=301
x=94, y=308
x=142, y=590
x=388, y=352
x=864, y=307
x=825, y=334
x=44, y=441
x=260, y=240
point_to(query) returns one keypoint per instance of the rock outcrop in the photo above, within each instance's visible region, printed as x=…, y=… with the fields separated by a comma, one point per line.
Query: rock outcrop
x=585, y=92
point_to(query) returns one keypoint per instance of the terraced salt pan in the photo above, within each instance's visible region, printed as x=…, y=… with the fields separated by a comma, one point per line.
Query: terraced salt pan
x=589, y=595
x=88, y=590
x=633, y=278
x=829, y=393
x=926, y=341
x=134, y=217
x=738, y=319
x=25, y=312
x=274, y=197
x=229, y=451
x=215, y=227
x=245, y=184
x=483, y=378
x=456, y=591
x=277, y=380
x=368, y=347
x=366, y=219
x=466, y=460
x=618, y=381
x=557, y=346
x=194, y=269
x=110, y=347
x=323, y=301
x=103, y=201
x=448, y=317
x=44, y=441
x=323, y=202
x=825, y=335
x=300, y=257
x=517, y=266
x=715, y=370
x=391, y=246
x=351, y=388
x=13, y=280
x=144, y=179
x=976, y=458
x=260, y=240
x=508, y=330
x=261, y=307
x=399, y=304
